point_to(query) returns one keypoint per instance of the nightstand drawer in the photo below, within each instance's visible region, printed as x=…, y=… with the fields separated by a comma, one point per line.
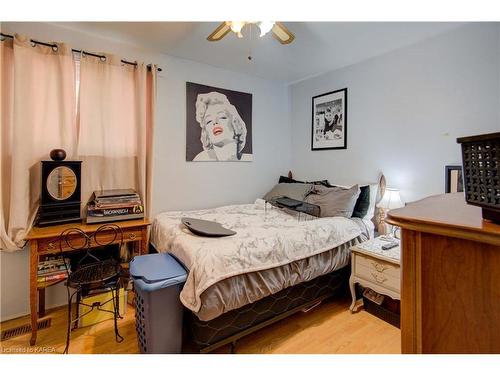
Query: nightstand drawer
x=379, y=278
x=377, y=265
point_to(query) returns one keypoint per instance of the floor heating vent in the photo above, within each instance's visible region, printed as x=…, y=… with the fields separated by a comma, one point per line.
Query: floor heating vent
x=24, y=329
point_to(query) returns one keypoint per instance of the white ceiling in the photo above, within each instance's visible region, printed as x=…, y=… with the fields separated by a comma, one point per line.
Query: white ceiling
x=318, y=47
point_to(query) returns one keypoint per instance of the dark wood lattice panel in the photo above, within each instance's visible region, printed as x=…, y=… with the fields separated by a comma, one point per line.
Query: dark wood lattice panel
x=482, y=172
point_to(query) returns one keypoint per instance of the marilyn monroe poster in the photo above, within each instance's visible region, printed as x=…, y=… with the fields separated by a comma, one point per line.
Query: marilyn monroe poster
x=219, y=124
x=329, y=121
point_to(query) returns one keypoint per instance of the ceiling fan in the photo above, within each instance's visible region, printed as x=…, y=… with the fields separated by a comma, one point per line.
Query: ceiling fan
x=279, y=30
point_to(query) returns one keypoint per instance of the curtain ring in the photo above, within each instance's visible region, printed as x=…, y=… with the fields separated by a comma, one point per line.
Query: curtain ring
x=33, y=43
x=102, y=58
x=55, y=47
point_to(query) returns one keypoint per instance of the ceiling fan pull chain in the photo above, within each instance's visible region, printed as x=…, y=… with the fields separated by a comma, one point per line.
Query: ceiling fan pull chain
x=250, y=48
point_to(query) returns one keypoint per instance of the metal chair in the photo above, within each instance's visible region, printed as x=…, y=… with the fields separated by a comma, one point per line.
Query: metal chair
x=92, y=275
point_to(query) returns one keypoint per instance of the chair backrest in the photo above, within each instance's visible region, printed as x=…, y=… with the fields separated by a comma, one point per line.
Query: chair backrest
x=77, y=239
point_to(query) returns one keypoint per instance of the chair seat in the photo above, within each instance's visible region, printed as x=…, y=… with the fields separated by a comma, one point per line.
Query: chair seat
x=94, y=274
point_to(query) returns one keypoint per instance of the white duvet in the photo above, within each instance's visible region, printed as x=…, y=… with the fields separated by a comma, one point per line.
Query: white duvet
x=266, y=237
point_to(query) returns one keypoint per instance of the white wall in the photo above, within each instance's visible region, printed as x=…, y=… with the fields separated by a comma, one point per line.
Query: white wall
x=177, y=184
x=405, y=111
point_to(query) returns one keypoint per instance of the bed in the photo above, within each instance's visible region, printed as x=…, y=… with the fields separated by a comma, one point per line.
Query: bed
x=277, y=263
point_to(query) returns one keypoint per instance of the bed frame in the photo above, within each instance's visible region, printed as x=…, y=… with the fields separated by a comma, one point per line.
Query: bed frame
x=233, y=325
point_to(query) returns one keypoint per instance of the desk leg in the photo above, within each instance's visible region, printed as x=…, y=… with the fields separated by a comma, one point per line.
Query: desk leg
x=41, y=303
x=144, y=242
x=33, y=289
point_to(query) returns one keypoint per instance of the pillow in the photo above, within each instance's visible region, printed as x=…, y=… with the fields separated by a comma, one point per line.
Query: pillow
x=295, y=191
x=362, y=203
x=288, y=180
x=373, y=200
x=334, y=201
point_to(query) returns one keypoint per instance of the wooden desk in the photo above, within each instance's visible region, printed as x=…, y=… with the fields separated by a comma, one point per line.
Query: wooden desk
x=450, y=290
x=45, y=241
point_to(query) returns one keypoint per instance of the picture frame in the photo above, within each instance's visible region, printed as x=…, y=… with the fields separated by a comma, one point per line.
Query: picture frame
x=454, y=181
x=218, y=124
x=329, y=121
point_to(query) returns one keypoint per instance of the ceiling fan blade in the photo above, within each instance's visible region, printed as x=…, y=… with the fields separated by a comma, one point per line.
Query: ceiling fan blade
x=281, y=33
x=219, y=32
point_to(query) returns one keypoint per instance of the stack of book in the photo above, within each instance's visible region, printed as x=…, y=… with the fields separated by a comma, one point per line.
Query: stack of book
x=114, y=205
x=53, y=269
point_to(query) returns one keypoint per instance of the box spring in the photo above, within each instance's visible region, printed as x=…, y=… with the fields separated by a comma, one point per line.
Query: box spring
x=229, y=327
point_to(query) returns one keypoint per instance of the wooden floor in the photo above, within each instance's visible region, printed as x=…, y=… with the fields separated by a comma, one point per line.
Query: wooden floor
x=330, y=328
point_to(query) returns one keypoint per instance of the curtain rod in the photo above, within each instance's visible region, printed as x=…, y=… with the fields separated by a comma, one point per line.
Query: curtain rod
x=54, y=47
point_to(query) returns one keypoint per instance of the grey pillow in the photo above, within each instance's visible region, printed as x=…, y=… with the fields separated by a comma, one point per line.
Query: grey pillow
x=334, y=201
x=294, y=191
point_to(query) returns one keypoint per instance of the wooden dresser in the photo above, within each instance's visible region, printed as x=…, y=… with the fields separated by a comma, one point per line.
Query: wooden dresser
x=450, y=287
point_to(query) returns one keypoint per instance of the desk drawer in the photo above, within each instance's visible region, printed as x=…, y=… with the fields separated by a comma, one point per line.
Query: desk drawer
x=132, y=234
x=51, y=245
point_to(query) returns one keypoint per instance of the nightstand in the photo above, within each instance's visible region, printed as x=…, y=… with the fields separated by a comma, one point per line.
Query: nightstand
x=376, y=269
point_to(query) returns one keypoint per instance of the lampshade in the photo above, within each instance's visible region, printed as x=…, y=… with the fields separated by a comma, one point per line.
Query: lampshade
x=390, y=200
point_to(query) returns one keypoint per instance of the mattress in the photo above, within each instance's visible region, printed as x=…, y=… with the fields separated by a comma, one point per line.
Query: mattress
x=272, y=250
x=238, y=291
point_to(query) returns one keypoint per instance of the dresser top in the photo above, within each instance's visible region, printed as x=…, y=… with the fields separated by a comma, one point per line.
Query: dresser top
x=446, y=214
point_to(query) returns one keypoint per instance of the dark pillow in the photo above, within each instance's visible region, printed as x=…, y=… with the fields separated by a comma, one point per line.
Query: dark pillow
x=362, y=203
x=288, y=180
x=324, y=183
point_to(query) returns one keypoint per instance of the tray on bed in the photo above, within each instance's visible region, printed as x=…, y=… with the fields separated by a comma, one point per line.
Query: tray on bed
x=296, y=205
x=206, y=228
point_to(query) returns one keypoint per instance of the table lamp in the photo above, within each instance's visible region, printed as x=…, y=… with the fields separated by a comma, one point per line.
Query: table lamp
x=389, y=201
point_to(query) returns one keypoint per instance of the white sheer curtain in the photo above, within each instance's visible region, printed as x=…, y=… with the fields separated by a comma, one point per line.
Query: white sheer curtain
x=37, y=115
x=115, y=119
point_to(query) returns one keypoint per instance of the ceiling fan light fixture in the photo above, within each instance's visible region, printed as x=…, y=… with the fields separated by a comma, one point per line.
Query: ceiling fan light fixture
x=236, y=27
x=279, y=31
x=265, y=27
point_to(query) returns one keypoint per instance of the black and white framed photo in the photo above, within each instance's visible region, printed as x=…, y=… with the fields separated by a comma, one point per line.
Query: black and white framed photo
x=329, y=121
x=454, y=181
x=218, y=124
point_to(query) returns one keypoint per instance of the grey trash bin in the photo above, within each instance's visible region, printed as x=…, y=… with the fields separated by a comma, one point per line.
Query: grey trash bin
x=158, y=279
